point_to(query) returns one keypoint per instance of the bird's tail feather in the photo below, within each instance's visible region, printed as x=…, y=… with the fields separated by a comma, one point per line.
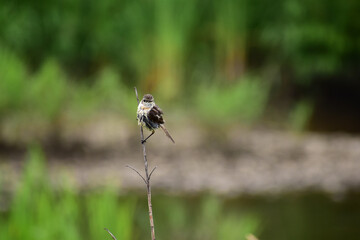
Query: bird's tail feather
x=167, y=133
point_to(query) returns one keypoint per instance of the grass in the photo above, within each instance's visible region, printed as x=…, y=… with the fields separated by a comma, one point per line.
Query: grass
x=37, y=105
x=59, y=59
x=243, y=102
x=40, y=209
x=12, y=84
x=300, y=115
x=37, y=210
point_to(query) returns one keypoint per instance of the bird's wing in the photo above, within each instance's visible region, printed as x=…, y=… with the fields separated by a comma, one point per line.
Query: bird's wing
x=155, y=115
x=158, y=109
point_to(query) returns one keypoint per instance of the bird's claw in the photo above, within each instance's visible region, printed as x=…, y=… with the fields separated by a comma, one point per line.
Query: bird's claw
x=143, y=141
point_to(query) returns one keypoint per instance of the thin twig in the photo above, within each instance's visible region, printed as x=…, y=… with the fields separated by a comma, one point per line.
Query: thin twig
x=152, y=172
x=112, y=235
x=148, y=185
x=146, y=180
x=128, y=166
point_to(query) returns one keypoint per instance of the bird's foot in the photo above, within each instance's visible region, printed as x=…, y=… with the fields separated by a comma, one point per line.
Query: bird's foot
x=143, y=141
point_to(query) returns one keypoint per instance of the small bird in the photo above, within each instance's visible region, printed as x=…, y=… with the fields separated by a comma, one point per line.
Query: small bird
x=149, y=115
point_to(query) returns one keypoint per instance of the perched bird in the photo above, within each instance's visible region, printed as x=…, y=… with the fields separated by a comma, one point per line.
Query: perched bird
x=149, y=115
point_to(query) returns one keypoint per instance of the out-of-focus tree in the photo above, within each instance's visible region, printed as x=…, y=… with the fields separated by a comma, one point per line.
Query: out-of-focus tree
x=172, y=47
x=230, y=34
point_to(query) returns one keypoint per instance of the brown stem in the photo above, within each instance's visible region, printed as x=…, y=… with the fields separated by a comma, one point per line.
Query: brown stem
x=132, y=168
x=148, y=186
x=146, y=180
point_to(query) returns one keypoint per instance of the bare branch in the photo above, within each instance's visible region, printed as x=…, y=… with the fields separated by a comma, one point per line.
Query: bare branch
x=112, y=235
x=128, y=166
x=147, y=181
x=152, y=172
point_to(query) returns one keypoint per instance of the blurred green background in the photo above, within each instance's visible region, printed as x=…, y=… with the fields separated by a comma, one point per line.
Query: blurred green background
x=288, y=65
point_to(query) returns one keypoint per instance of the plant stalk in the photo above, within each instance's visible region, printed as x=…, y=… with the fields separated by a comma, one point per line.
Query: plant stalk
x=147, y=182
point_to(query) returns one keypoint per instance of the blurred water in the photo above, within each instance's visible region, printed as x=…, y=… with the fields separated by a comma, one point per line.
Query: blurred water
x=305, y=216
x=295, y=216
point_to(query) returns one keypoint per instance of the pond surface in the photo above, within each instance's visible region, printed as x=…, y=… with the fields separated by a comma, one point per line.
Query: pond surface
x=306, y=216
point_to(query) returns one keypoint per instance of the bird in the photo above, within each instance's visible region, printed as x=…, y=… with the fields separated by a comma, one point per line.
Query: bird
x=149, y=115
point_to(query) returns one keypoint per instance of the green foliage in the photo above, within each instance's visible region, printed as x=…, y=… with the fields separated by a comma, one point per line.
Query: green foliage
x=209, y=218
x=103, y=209
x=36, y=212
x=308, y=40
x=234, y=227
x=175, y=213
x=107, y=94
x=48, y=91
x=34, y=106
x=160, y=37
x=12, y=81
x=206, y=219
x=81, y=58
x=244, y=100
x=300, y=115
x=112, y=94
x=39, y=211
x=215, y=221
x=171, y=43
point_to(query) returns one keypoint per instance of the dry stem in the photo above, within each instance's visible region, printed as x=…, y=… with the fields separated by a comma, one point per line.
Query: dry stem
x=146, y=180
x=148, y=176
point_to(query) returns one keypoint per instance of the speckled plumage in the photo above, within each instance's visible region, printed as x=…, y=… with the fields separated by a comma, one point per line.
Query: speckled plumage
x=149, y=115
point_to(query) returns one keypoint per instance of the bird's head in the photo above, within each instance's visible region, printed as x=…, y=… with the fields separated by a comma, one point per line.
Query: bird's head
x=148, y=100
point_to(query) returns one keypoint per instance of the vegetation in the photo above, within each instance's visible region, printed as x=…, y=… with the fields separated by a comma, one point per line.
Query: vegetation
x=43, y=209
x=81, y=56
x=64, y=62
x=38, y=210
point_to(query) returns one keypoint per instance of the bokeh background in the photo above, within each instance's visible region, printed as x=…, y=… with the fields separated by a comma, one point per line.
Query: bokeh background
x=261, y=97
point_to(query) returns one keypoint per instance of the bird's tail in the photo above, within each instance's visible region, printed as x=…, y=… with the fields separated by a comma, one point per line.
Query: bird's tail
x=167, y=133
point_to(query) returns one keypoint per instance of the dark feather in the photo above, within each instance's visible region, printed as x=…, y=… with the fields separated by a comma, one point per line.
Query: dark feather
x=155, y=115
x=158, y=109
x=150, y=124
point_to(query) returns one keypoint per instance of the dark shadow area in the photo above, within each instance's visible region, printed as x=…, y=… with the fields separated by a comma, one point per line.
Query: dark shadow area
x=336, y=107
